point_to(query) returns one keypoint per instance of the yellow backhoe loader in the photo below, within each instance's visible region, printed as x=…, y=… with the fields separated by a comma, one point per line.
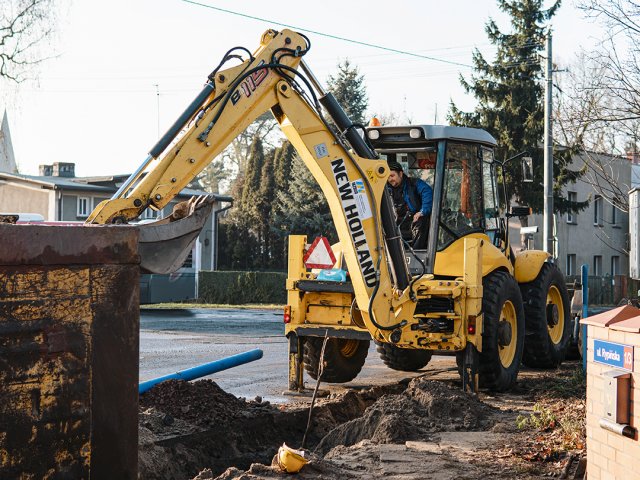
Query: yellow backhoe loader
x=471, y=296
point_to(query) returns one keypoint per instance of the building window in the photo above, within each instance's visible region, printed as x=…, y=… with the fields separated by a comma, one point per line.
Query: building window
x=150, y=214
x=597, y=210
x=83, y=206
x=571, y=264
x=597, y=265
x=614, y=216
x=572, y=198
x=615, y=265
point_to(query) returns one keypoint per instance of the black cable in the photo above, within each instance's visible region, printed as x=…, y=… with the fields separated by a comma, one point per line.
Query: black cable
x=226, y=57
x=273, y=65
x=236, y=83
x=211, y=77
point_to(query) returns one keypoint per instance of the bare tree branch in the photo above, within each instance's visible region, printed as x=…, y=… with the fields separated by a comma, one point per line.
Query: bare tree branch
x=26, y=28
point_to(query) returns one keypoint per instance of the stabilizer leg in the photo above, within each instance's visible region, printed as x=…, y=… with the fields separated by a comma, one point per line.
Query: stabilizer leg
x=296, y=365
x=470, y=361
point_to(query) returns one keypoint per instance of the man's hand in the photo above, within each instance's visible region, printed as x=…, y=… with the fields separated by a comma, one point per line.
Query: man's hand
x=417, y=216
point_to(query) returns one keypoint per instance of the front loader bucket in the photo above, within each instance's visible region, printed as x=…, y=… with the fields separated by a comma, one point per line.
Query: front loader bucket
x=165, y=245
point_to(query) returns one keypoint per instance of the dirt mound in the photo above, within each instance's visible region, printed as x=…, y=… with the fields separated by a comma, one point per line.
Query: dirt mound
x=201, y=403
x=425, y=407
x=185, y=427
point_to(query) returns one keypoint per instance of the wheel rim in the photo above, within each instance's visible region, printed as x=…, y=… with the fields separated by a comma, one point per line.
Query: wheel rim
x=555, y=324
x=507, y=334
x=348, y=348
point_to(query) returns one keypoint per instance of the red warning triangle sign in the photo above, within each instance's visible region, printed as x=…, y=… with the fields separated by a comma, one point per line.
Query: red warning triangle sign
x=319, y=254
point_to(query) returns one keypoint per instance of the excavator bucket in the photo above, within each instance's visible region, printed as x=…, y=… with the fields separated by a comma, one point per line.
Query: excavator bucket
x=165, y=245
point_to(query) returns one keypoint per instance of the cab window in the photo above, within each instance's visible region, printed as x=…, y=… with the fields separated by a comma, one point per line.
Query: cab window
x=462, y=207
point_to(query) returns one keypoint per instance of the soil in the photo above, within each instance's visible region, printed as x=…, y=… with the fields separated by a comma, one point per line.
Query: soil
x=417, y=429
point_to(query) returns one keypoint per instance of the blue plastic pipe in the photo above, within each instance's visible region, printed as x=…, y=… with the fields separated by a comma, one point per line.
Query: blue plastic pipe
x=585, y=312
x=204, y=369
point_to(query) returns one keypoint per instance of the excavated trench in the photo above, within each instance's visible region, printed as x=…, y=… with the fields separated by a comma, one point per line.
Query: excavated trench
x=187, y=427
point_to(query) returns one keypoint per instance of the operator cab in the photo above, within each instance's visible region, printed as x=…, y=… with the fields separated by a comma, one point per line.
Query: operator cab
x=458, y=164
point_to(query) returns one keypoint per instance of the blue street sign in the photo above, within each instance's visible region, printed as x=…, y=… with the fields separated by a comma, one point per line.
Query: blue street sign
x=614, y=354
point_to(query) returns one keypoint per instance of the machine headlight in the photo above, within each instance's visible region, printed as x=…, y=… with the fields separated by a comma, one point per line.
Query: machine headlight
x=415, y=133
x=374, y=134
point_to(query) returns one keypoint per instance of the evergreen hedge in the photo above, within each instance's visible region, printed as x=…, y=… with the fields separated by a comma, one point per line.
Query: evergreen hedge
x=236, y=288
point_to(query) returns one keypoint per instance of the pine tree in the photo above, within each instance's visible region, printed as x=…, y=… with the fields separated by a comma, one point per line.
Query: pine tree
x=509, y=92
x=283, y=159
x=303, y=208
x=349, y=90
x=253, y=177
x=282, y=165
x=244, y=235
x=264, y=203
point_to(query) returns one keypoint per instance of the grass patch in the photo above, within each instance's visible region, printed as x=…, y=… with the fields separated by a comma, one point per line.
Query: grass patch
x=542, y=418
x=573, y=385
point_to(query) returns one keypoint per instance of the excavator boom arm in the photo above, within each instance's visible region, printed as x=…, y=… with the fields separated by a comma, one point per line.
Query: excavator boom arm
x=354, y=186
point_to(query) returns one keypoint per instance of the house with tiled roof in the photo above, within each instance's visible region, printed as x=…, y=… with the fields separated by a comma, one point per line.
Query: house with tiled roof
x=58, y=195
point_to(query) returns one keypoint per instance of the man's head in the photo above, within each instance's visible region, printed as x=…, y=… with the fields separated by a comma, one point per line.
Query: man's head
x=395, y=175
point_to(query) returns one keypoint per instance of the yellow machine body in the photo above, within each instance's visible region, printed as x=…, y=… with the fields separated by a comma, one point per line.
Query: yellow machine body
x=380, y=300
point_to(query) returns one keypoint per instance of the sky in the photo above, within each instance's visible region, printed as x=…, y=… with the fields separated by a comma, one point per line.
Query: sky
x=124, y=70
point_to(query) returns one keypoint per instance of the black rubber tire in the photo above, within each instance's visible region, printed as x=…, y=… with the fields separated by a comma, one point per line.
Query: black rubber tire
x=499, y=288
x=540, y=350
x=343, y=359
x=403, y=359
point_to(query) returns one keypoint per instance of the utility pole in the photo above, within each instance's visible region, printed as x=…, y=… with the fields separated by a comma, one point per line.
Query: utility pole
x=547, y=232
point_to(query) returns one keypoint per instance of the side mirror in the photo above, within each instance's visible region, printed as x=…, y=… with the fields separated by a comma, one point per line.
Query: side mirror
x=527, y=169
x=520, y=211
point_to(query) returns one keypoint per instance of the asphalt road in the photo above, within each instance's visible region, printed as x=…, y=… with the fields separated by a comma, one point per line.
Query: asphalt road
x=173, y=340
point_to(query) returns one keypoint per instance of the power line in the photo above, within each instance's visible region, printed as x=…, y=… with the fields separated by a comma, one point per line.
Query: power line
x=335, y=37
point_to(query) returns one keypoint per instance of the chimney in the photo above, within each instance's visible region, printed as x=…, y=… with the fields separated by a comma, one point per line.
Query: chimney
x=63, y=169
x=45, y=170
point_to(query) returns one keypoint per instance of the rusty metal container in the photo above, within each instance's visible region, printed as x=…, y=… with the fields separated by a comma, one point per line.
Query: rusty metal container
x=69, y=323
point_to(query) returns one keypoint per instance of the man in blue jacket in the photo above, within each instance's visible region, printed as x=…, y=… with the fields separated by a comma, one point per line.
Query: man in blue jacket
x=412, y=199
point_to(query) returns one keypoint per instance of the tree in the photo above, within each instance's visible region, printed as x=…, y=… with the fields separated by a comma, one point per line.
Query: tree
x=26, y=28
x=283, y=159
x=349, y=90
x=303, y=208
x=599, y=110
x=264, y=203
x=581, y=121
x=618, y=58
x=509, y=94
x=282, y=174
x=618, y=64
